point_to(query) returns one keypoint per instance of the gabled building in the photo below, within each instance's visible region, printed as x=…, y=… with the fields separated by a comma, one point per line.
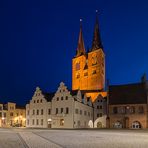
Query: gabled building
x=64, y=109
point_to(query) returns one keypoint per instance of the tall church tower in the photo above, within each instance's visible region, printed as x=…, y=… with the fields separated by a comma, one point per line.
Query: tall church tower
x=88, y=69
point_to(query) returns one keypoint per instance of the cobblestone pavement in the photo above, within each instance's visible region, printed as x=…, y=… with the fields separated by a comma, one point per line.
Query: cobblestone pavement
x=39, y=138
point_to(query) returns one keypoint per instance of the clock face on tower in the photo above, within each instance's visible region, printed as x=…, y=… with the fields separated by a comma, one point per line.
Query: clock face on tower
x=94, y=59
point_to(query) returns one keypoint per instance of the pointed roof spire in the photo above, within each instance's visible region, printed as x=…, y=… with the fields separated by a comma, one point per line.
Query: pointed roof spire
x=96, y=43
x=80, y=47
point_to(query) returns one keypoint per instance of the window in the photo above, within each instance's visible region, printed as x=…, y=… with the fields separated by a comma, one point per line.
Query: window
x=32, y=121
x=67, y=110
x=61, y=122
x=41, y=111
x=85, y=113
x=41, y=121
x=89, y=114
x=11, y=114
x=99, y=115
x=132, y=110
x=77, y=66
x=41, y=101
x=76, y=111
x=57, y=98
x=37, y=122
x=56, y=110
x=94, y=72
x=141, y=109
x=78, y=76
x=34, y=101
x=0, y=107
x=61, y=98
x=4, y=114
x=28, y=112
x=86, y=74
x=61, y=110
x=66, y=97
x=33, y=112
x=37, y=101
x=27, y=122
x=49, y=111
x=37, y=112
x=0, y=114
x=100, y=106
x=80, y=112
x=115, y=110
x=97, y=107
x=17, y=114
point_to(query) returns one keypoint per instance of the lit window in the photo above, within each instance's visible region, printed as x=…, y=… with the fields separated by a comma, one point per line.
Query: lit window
x=61, y=122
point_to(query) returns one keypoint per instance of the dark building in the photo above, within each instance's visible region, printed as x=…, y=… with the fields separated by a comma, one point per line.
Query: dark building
x=128, y=105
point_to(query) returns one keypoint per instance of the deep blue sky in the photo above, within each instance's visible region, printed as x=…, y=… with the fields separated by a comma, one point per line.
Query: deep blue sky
x=38, y=40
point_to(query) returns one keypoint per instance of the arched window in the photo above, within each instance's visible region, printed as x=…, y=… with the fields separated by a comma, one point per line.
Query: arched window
x=136, y=125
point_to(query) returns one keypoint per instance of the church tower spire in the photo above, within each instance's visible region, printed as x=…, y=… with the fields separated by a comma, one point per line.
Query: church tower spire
x=96, y=43
x=80, y=47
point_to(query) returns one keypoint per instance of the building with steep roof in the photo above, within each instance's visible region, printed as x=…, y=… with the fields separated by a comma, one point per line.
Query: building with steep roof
x=128, y=105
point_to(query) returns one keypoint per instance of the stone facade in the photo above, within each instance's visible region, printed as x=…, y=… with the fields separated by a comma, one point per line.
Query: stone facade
x=64, y=109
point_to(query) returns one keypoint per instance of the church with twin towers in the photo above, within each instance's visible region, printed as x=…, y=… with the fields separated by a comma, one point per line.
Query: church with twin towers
x=85, y=105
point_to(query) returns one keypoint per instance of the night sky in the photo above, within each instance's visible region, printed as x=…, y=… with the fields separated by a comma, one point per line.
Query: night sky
x=38, y=39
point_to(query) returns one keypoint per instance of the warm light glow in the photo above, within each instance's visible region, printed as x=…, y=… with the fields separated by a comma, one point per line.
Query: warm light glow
x=3, y=118
x=94, y=95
